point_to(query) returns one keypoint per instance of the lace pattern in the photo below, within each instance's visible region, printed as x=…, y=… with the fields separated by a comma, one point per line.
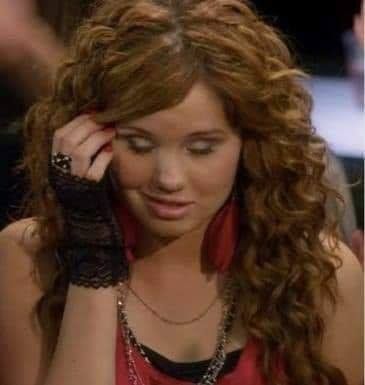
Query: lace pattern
x=92, y=249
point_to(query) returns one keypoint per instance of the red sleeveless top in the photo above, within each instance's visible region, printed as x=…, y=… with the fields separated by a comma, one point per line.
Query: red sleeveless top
x=246, y=371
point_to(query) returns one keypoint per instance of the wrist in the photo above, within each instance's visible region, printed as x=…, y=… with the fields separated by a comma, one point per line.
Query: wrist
x=93, y=267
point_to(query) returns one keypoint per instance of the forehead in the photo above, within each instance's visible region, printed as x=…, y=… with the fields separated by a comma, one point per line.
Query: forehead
x=201, y=110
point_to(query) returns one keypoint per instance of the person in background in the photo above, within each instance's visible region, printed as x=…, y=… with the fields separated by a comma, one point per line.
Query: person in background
x=29, y=48
x=335, y=172
x=357, y=237
x=33, y=38
x=353, y=40
x=359, y=26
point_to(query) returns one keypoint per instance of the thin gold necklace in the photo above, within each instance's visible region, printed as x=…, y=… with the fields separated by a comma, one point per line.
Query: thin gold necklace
x=166, y=320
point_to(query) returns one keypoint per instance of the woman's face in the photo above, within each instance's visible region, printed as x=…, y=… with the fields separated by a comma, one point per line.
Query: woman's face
x=188, y=153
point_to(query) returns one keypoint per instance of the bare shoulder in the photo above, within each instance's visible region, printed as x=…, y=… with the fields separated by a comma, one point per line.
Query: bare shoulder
x=18, y=295
x=23, y=232
x=344, y=335
x=18, y=243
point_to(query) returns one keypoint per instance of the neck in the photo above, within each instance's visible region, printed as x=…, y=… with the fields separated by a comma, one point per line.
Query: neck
x=172, y=260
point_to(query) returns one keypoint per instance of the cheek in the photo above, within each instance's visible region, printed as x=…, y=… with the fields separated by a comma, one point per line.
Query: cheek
x=218, y=177
x=132, y=172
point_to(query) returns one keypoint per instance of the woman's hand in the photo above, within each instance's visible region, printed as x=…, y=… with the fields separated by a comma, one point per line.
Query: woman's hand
x=81, y=139
x=92, y=248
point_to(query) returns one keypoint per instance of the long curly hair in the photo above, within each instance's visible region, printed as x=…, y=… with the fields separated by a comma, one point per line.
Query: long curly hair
x=131, y=58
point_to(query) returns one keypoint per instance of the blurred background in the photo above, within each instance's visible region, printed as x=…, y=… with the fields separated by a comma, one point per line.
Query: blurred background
x=326, y=36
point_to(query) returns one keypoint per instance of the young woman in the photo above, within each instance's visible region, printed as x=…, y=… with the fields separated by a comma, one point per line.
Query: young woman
x=177, y=231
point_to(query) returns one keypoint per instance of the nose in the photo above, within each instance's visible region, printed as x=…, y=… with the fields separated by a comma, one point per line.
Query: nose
x=168, y=174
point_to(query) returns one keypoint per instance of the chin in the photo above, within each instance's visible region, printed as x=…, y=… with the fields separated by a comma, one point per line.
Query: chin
x=170, y=229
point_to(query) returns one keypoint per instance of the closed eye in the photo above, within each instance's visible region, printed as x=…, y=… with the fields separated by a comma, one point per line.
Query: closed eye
x=143, y=145
x=202, y=147
x=136, y=143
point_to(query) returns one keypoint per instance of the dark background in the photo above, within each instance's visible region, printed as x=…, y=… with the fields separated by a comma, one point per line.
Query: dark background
x=314, y=27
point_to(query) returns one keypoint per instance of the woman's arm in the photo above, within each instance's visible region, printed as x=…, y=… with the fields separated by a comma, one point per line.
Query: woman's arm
x=91, y=249
x=21, y=361
x=85, y=352
x=30, y=51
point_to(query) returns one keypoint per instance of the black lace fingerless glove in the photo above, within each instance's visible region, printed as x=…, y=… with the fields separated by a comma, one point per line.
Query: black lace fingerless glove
x=92, y=248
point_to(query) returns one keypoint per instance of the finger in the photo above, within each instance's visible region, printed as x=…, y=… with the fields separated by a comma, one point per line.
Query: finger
x=74, y=138
x=100, y=164
x=60, y=132
x=83, y=154
x=74, y=123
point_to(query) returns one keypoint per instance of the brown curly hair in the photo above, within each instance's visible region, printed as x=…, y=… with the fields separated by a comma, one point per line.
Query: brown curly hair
x=134, y=57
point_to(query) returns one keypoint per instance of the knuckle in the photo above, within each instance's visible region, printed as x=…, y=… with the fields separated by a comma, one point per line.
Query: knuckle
x=81, y=175
x=82, y=118
x=93, y=126
x=79, y=157
x=57, y=136
x=100, y=135
x=79, y=171
x=66, y=142
x=93, y=176
x=107, y=133
x=88, y=126
x=57, y=133
x=97, y=170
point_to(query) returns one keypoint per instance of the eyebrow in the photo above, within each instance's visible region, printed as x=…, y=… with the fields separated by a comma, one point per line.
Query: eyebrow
x=193, y=134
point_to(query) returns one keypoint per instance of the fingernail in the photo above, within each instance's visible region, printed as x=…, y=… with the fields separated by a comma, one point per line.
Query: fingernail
x=108, y=148
x=109, y=129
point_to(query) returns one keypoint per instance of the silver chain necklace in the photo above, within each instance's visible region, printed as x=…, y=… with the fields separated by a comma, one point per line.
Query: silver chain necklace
x=216, y=363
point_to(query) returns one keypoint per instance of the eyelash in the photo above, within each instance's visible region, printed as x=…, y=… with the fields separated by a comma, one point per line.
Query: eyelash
x=141, y=151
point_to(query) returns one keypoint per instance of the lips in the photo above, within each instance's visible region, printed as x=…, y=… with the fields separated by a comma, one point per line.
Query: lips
x=167, y=210
x=175, y=202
